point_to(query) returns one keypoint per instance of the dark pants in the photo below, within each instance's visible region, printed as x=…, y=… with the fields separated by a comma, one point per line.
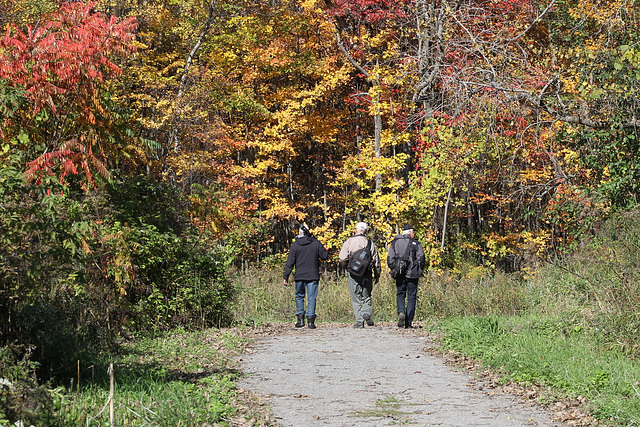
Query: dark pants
x=407, y=289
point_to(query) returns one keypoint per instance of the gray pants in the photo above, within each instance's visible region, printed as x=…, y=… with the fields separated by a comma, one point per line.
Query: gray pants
x=360, y=291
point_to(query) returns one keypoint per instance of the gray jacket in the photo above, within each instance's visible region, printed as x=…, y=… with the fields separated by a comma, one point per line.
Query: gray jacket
x=416, y=257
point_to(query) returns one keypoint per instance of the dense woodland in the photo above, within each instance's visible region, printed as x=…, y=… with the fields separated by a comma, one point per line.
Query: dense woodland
x=148, y=146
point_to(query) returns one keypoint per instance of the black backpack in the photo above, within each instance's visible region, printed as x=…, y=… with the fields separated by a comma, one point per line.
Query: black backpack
x=400, y=265
x=359, y=261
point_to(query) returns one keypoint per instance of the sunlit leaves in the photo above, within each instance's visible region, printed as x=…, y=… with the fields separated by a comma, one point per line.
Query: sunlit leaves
x=269, y=113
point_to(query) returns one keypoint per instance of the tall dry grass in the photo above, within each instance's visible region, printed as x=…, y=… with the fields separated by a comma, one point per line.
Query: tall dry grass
x=263, y=298
x=598, y=285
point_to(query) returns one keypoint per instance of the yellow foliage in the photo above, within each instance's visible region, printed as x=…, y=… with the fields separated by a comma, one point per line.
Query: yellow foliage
x=536, y=175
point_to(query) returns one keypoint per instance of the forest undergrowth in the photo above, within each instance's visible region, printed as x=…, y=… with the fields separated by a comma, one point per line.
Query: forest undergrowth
x=567, y=330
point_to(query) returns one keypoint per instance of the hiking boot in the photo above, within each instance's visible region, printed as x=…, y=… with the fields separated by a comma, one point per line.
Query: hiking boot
x=367, y=318
x=300, y=322
x=359, y=325
x=401, y=318
x=311, y=322
x=408, y=327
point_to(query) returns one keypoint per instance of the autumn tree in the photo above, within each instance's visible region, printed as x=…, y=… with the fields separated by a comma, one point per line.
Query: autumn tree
x=57, y=122
x=65, y=123
x=369, y=35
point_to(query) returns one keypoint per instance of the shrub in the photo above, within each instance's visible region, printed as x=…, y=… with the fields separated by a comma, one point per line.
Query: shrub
x=22, y=399
x=72, y=276
x=162, y=280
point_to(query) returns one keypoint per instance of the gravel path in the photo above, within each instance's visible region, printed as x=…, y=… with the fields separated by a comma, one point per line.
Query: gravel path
x=377, y=376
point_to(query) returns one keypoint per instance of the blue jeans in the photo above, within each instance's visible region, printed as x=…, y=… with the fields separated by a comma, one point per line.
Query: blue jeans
x=311, y=288
x=407, y=288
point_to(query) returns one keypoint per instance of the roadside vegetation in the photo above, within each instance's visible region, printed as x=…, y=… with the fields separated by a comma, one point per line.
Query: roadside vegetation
x=174, y=379
x=574, y=327
x=568, y=330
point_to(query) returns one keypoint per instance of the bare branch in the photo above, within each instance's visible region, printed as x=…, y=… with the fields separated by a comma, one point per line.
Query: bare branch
x=534, y=22
x=173, y=134
x=349, y=57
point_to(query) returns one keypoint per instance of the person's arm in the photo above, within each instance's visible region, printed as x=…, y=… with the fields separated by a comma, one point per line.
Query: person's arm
x=288, y=267
x=391, y=253
x=420, y=256
x=323, y=253
x=343, y=257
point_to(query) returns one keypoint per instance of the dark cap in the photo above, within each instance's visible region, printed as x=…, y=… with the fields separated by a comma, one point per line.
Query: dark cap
x=407, y=227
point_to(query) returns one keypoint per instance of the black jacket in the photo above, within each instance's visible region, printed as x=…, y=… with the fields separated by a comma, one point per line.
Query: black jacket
x=416, y=258
x=305, y=255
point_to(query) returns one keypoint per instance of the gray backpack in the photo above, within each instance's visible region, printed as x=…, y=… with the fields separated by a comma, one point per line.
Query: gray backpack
x=399, y=266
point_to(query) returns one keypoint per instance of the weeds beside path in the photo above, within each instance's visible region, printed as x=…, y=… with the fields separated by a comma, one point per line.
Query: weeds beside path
x=340, y=376
x=274, y=374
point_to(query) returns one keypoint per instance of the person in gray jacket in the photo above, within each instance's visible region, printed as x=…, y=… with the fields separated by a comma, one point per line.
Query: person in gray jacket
x=407, y=282
x=360, y=287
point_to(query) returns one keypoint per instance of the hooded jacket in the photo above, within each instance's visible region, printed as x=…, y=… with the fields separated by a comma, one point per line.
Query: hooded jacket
x=416, y=258
x=305, y=255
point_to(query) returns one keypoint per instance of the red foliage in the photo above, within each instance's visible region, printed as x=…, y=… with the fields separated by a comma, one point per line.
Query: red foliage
x=70, y=156
x=69, y=52
x=66, y=58
x=370, y=11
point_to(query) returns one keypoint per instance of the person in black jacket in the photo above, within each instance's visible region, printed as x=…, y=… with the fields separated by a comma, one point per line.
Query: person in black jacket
x=305, y=255
x=407, y=283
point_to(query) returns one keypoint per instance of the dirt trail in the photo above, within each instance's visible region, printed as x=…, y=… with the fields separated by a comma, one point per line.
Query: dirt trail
x=382, y=375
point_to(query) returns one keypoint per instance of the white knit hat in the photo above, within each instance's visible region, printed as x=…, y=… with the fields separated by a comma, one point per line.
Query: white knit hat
x=362, y=226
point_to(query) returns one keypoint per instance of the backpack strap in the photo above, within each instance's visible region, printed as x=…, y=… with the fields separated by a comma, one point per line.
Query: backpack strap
x=413, y=246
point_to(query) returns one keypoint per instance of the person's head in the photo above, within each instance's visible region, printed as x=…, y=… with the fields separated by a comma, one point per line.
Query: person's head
x=408, y=230
x=303, y=231
x=361, y=227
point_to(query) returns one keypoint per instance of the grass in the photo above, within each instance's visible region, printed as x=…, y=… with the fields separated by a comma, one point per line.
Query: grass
x=181, y=379
x=264, y=299
x=388, y=408
x=554, y=352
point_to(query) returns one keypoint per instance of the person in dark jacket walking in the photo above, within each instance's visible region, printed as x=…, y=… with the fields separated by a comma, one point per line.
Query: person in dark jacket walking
x=407, y=282
x=305, y=255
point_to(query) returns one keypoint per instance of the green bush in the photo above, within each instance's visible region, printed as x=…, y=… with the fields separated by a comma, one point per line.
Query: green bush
x=22, y=398
x=73, y=275
x=169, y=281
